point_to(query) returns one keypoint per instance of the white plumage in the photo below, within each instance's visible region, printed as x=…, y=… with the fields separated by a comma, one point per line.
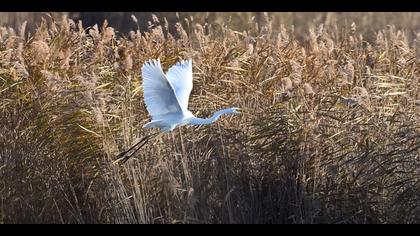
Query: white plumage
x=166, y=96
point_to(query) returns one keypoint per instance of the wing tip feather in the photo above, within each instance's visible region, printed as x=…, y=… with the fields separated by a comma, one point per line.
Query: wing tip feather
x=152, y=62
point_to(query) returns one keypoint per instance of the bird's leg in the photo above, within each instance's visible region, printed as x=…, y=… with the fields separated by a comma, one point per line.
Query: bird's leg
x=124, y=156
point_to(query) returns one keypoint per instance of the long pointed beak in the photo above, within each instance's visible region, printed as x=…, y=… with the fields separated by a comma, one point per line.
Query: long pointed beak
x=238, y=110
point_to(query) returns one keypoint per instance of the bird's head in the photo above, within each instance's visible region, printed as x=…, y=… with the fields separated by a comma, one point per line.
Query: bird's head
x=235, y=110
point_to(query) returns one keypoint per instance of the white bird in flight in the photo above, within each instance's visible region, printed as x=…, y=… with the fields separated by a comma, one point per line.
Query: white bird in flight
x=166, y=97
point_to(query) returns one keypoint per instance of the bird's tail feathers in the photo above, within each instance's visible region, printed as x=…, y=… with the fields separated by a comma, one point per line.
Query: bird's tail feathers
x=154, y=124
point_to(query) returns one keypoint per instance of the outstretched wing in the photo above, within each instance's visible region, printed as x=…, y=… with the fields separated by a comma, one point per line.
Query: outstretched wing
x=159, y=96
x=180, y=78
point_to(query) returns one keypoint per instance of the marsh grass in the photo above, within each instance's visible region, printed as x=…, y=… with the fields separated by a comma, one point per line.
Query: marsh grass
x=329, y=132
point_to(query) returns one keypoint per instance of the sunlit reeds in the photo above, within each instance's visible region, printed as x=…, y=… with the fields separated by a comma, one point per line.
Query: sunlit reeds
x=329, y=134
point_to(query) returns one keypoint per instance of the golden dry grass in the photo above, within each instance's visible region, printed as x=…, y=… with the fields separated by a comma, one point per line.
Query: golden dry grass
x=329, y=133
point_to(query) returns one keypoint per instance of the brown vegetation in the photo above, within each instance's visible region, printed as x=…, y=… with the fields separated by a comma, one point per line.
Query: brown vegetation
x=329, y=132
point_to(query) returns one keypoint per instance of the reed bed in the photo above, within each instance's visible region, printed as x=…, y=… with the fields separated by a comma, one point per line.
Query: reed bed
x=329, y=132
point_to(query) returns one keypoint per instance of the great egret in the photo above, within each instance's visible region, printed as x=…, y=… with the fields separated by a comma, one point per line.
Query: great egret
x=166, y=97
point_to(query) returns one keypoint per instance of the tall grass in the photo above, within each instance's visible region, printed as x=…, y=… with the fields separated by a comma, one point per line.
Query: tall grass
x=329, y=132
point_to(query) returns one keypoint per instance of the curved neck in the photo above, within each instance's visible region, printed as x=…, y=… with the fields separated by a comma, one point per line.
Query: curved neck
x=213, y=118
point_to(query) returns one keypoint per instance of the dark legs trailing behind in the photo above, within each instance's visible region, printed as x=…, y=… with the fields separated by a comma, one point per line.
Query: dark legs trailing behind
x=124, y=156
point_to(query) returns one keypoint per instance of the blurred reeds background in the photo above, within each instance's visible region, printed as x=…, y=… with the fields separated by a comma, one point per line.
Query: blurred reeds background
x=329, y=132
x=368, y=22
